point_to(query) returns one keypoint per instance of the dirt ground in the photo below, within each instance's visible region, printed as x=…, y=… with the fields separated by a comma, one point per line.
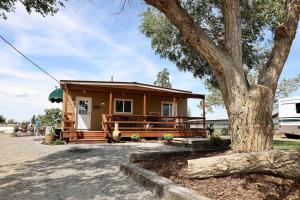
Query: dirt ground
x=237, y=187
x=30, y=170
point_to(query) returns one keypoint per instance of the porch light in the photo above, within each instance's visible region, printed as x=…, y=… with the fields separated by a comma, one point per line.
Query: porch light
x=102, y=103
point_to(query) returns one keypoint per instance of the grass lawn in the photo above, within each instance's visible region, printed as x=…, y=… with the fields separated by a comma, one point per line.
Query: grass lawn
x=286, y=145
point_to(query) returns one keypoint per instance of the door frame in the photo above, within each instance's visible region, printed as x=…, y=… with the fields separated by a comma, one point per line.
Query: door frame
x=76, y=111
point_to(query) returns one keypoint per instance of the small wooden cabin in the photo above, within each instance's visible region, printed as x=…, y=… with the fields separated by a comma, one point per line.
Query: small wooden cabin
x=94, y=109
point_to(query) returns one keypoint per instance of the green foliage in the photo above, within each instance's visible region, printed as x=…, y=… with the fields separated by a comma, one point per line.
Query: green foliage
x=33, y=119
x=43, y=7
x=216, y=140
x=2, y=119
x=224, y=131
x=58, y=142
x=163, y=79
x=258, y=17
x=52, y=117
x=135, y=137
x=167, y=137
x=286, y=145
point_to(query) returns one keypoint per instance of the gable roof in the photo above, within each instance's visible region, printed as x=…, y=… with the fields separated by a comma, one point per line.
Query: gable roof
x=129, y=86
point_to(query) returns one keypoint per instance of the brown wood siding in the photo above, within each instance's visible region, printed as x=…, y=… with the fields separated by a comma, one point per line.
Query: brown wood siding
x=153, y=104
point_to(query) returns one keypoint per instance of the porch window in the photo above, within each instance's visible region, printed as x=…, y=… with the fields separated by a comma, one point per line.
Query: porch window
x=297, y=107
x=167, y=109
x=123, y=106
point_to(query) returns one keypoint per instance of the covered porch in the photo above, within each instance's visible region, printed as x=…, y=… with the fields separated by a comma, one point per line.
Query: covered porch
x=149, y=111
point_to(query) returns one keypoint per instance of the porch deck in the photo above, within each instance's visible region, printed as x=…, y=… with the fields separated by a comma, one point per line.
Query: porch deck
x=147, y=126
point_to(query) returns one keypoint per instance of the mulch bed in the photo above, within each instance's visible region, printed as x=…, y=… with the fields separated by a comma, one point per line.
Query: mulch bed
x=238, y=187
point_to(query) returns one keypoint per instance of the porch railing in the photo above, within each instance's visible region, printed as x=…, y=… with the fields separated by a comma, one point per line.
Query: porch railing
x=153, y=123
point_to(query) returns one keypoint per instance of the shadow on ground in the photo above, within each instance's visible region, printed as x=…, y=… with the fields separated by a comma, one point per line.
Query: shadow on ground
x=80, y=172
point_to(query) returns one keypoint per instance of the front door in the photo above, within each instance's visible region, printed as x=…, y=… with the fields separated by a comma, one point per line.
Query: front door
x=83, y=112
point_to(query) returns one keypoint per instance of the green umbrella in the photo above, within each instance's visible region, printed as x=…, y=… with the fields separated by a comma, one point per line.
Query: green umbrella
x=56, y=95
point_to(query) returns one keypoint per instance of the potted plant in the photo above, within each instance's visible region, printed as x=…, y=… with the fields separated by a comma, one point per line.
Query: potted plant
x=49, y=135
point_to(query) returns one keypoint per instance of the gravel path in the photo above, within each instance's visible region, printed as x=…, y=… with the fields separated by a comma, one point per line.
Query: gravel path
x=30, y=170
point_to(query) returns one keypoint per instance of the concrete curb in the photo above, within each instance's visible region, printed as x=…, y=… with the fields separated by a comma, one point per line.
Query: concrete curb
x=161, y=186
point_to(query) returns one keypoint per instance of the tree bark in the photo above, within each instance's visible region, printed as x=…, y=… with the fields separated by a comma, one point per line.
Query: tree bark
x=282, y=163
x=250, y=121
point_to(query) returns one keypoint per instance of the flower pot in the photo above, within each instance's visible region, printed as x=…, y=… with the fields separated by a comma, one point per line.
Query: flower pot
x=49, y=139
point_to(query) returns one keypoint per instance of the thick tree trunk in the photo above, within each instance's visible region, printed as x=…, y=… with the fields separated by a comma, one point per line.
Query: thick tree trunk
x=250, y=121
x=283, y=163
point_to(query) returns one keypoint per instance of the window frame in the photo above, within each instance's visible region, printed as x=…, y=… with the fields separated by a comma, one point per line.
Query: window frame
x=169, y=102
x=123, y=100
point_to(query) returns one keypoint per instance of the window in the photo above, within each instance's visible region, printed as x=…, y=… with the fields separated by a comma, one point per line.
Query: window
x=123, y=106
x=297, y=107
x=167, y=109
x=83, y=107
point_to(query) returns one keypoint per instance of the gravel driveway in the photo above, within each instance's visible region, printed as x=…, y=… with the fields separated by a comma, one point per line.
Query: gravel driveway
x=30, y=170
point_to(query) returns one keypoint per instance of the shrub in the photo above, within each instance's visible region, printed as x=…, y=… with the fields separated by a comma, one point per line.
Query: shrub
x=216, y=140
x=224, y=131
x=58, y=142
x=168, y=137
x=135, y=137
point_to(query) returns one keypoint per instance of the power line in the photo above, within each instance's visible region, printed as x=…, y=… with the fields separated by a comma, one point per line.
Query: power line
x=28, y=59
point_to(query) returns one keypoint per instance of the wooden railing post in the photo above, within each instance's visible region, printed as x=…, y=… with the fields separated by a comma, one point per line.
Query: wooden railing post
x=110, y=102
x=203, y=108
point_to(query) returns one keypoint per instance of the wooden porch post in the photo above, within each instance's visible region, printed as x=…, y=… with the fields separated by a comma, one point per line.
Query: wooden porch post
x=203, y=108
x=174, y=106
x=145, y=109
x=145, y=105
x=174, y=111
x=66, y=94
x=110, y=103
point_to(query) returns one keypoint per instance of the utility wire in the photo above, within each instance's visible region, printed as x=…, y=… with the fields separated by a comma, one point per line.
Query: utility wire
x=28, y=59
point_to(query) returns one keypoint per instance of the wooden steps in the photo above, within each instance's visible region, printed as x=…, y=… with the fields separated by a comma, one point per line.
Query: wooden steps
x=90, y=135
x=88, y=141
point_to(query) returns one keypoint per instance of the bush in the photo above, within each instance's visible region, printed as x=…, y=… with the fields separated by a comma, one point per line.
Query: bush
x=58, y=142
x=216, y=140
x=135, y=137
x=224, y=131
x=168, y=137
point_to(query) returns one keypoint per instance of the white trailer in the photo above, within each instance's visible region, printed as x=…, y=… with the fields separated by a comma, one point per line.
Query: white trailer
x=289, y=116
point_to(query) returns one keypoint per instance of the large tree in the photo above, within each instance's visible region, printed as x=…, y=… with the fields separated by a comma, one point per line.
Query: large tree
x=43, y=7
x=222, y=40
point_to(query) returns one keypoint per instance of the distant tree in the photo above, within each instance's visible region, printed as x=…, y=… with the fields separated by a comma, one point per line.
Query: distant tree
x=43, y=7
x=52, y=117
x=286, y=87
x=163, y=79
x=33, y=119
x=2, y=119
x=11, y=121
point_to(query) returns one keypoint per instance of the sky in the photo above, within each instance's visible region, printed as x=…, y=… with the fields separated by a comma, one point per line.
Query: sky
x=87, y=40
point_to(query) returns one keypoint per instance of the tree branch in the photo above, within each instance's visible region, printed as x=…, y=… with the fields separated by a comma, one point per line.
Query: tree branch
x=191, y=32
x=221, y=62
x=233, y=32
x=284, y=36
